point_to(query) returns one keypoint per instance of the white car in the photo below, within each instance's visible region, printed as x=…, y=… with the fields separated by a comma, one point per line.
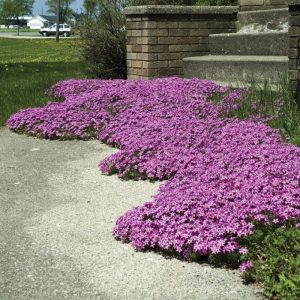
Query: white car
x=64, y=29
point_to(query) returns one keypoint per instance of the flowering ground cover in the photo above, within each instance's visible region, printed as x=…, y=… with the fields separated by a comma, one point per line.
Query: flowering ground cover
x=224, y=175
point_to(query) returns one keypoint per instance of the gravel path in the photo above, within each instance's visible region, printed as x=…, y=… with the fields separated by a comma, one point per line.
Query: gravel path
x=56, y=216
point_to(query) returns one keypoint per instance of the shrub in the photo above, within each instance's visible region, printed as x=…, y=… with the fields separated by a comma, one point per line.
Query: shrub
x=275, y=253
x=104, y=37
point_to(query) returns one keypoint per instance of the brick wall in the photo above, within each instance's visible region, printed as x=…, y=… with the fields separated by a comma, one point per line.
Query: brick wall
x=294, y=47
x=262, y=4
x=158, y=37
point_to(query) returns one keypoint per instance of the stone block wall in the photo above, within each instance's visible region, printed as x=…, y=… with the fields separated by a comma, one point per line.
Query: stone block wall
x=262, y=4
x=158, y=37
x=294, y=46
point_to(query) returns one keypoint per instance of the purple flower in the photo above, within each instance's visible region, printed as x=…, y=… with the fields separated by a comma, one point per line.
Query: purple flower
x=243, y=250
x=223, y=174
x=245, y=266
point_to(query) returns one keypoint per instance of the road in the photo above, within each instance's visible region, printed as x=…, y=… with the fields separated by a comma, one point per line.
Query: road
x=56, y=216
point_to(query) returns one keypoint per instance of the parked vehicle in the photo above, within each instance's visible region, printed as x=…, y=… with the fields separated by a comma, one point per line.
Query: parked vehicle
x=64, y=29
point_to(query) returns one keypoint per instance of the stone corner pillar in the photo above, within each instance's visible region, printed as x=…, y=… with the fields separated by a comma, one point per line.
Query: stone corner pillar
x=293, y=46
x=160, y=36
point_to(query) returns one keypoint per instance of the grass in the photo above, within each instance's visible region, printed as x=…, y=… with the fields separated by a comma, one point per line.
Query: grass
x=29, y=67
x=15, y=30
x=275, y=102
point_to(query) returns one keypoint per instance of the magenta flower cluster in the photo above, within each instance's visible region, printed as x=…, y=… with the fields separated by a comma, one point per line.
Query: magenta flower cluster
x=223, y=174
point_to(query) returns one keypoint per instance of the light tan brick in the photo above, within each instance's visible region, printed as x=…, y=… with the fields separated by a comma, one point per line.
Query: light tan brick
x=132, y=71
x=188, y=24
x=203, y=40
x=294, y=42
x=276, y=2
x=216, y=25
x=175, y=63
x=142, y=72
x=133, y=77
x=155, y=48
x=131, y=55
x=169, y=71
x=294, y=74
x=251, y=2
x=155, y=64
x=168, y=56
x=293, y=53
x=133, y=19
x=138, y=77
x=207, y=32
x=134, y=48
x=133, y=33
x=133, y=25
x=294, y=20
x=177, y=40
x=131, y=40
x=150, y=25
x=188, y=48
x=136, y=64
x=146, y=56
x=167, y=24
x=150, y=72
x=155, y=32
x=181, y=55
x=294, y=31
x=149, y=40
x=179, y=32
x=294, y=64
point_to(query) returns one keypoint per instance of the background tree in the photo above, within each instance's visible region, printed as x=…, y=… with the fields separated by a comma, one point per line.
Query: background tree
x=12, y=10
x=90, y=7
x=65, y=10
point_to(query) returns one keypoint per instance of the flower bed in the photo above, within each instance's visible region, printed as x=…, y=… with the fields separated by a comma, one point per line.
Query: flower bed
x=223, y=174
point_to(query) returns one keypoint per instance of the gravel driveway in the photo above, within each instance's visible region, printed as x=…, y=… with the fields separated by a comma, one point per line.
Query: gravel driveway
x=56, y=216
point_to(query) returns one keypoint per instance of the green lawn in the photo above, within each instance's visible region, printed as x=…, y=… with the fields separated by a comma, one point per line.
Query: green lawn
x=21, y=30
x=29, y=67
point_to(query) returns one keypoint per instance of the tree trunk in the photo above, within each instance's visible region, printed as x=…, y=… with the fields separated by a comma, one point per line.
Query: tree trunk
x=18, y=27
x=57, y=21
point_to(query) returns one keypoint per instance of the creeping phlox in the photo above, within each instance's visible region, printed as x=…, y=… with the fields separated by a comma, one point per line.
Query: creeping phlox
x=223, y=174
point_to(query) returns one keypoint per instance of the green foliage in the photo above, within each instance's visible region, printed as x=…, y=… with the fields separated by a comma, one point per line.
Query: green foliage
x=13, y=9
x=231, y=260
x=275, y=253
x=104, y=36
x=65, y=9
x=29, y=67
x=275, y=102
x=89, y=7
x=161, y=2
